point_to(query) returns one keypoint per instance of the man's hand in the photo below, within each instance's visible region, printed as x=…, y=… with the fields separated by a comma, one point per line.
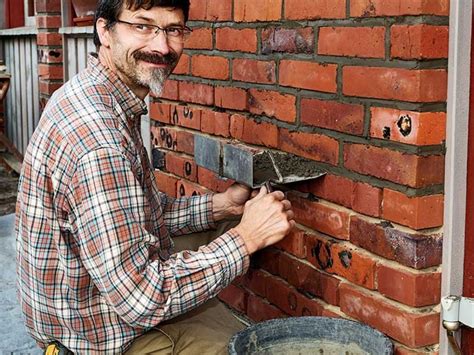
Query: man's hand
x=231, y=202
x=267, y=218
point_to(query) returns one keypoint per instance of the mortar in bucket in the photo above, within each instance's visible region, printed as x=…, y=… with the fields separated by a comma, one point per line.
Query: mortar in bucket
x=310, y=335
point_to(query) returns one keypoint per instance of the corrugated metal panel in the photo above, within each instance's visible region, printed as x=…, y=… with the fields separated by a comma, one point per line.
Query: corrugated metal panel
x=22, y=101
x=76, y=47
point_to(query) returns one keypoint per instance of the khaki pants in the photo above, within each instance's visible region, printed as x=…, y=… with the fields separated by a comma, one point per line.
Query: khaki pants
x=205, y=330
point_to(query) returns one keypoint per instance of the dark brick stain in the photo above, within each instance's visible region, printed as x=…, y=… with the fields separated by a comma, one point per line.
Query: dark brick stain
x=175, y=117
x=405, y=125
x=292, y=301
x=386, y=132
x=188, y=169
x=322, y=253
x=346, y=258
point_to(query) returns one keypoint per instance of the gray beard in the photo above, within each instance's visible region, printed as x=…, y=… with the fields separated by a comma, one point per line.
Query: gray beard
x=156, y=81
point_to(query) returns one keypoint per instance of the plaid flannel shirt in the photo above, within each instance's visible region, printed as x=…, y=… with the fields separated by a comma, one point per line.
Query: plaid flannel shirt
x=94, y=250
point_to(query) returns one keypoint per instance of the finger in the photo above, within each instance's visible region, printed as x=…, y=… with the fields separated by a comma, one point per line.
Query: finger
x=286, y=205
x=254, y=193
x=290, y=215
x=278, y=195
x=261, y=193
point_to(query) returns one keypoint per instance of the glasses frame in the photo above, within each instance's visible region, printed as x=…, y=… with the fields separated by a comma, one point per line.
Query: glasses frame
x=186, y=30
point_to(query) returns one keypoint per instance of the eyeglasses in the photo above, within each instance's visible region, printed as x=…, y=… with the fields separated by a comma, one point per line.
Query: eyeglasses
x=177, y=34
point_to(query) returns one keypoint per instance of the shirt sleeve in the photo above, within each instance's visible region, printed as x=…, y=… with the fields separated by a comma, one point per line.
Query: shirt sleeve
x=116, y=249
x=187, y=214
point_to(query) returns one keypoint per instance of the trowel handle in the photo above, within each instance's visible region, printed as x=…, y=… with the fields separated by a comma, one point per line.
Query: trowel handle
x=268, y=186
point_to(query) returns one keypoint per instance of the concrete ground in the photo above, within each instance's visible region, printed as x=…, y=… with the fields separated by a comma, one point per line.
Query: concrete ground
x=13, y=336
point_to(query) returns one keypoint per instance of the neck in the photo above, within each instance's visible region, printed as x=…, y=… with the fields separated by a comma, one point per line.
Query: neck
x=106, y=60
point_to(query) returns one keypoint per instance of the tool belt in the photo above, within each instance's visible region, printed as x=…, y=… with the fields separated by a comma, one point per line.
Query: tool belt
x=56, y=348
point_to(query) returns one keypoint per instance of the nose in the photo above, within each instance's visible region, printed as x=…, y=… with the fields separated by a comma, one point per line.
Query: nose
x=160, y=43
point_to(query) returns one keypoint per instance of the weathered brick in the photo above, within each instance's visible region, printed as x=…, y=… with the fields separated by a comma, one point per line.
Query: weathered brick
x=186, y=188
x=181, y=166
x=166, y=183
x=250, y=131
x=315, y=9
x=216, y=123
x=160, y=112
x=200, y=38
x=293, y=243
x=415, y=212
x=273, y=104
x=255, y=280
x=49, y=55
x=406, y=169
x=47, y=6
x=49, y=39
x=254, y=71
x=369, y=8
x=321, y=217
x=308, y=75
x=427, y=85
x=365, y=42
x=171, y=90
x=52, y=72
x=414, y=250
x=367, y=199
x=262, y=10
x=415, y=329
x=410, y=127
x=233, y=39
x=196, y=93
x=174, y=139
x=419, y=41
x=260, y=310
x=49, y=87
x=412, y=288
x=186, y=116
x=310, y=145
x=183, y=65
x=287, y=40
x=348, y=118
x=230, y=97
x=211, y=10
x=212, y=67
x=212, y=181
x=48, y=21
x=334, y=188
x=235, y=297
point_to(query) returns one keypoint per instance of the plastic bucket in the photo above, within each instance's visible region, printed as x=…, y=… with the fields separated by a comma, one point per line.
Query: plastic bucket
x=310, y=335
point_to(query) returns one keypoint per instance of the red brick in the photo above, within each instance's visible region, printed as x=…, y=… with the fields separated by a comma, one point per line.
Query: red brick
x=185, y=116
x=48, y=21
x=174, y=139
x=254, y=71
x=337, y=189
x=415, y=212
x=166, y=183
x=250, y=131
x=401, y=350
x=307, y=279
x=49, y=55
x=47, y=6
x=428, y=85
x=262, y=10
x=419, y=41
x=230, y=97
x=406, y=169
x=53, y=72
x=255, y=281
x=260, y=310
x=234, y=297
x=267, y=259
x=308, y=75
x=342, y=260
x=170, y=90
x=196, y=93
x=315, y=9
x=367, y=199
x=321, y=217
x=211, y=67
x=342, y=117
x=310, y=145
x=49, y=39
x=183, y=65
x=216, y=123
x=234, y=39
x=211, y=10
x=49, y=87
x=212, y=181
x=410, y=328
x=365, y=42
x=293, y=243
x=273, y=104
x=287, y=40
x=182, y=166
x=185, y=142
x=376, y=8
x=424, y=128
x=160, y=112
x=415, y=250
x=201, y=38
x=412, y=288
x=186, y=188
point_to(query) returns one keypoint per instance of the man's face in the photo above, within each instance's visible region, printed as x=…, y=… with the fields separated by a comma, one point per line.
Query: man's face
x=145, y=61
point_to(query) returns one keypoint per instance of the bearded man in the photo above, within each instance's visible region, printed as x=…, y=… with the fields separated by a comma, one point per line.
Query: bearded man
x=96, y=266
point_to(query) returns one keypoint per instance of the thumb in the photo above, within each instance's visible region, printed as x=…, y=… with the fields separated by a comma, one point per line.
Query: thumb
x=261, y=193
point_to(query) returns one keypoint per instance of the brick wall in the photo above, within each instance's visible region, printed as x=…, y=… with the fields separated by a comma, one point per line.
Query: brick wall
x=359, y=86
x=50, y=52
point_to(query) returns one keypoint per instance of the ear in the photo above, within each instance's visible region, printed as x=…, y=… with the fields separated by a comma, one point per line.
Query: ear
x=103, y=32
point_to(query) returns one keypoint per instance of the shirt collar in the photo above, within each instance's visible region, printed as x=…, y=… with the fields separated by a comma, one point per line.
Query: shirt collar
x=132, y=105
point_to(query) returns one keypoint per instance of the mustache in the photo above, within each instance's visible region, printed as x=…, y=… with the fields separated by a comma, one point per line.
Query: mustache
x=156, y=58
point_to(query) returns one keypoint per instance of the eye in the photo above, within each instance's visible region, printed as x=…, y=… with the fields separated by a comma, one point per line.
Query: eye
x=140, y=27
x=174, y=31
